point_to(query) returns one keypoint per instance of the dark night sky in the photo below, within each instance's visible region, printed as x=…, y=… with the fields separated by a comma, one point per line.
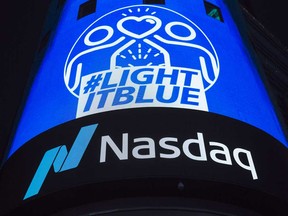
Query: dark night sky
x=273, y=15
x=21, y=21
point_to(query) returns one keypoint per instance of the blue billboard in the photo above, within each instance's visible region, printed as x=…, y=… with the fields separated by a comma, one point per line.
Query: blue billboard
x=128, y=55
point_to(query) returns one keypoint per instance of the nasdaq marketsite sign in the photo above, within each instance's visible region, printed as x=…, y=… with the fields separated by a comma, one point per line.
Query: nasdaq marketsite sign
x=129, y=90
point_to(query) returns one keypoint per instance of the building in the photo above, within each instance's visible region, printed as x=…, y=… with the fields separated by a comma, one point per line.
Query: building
x=272, y=55
x=119, y=119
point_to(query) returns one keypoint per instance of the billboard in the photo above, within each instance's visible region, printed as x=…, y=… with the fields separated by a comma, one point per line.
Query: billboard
x=132, y=88
x=145, y=56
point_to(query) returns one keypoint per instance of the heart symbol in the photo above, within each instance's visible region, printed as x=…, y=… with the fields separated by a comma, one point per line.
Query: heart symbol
x=153, y=25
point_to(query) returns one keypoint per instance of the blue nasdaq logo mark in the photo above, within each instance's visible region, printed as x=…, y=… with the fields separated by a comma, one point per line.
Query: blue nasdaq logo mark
x=60, y=159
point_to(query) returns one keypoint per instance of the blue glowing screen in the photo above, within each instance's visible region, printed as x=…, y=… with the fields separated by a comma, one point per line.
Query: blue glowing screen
x=127, y=56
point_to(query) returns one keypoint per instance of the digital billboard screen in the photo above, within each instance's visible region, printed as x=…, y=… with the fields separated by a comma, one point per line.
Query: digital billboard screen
x=146, y=91
x=137, y=56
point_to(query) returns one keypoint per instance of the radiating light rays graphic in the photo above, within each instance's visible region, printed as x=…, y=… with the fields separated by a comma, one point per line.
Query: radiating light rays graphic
x=140, y=54
x=139, y=51
x=131, y=53
x=138, y=10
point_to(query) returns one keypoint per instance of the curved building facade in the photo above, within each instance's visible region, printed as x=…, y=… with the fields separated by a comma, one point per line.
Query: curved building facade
x=147, y=108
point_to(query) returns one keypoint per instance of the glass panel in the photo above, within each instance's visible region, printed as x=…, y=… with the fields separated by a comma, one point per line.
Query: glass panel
x=213, y=11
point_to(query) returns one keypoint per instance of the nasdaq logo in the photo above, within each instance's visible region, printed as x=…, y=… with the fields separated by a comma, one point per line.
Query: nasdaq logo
x=197, y=148
x=60, y=159
x=141, y=56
